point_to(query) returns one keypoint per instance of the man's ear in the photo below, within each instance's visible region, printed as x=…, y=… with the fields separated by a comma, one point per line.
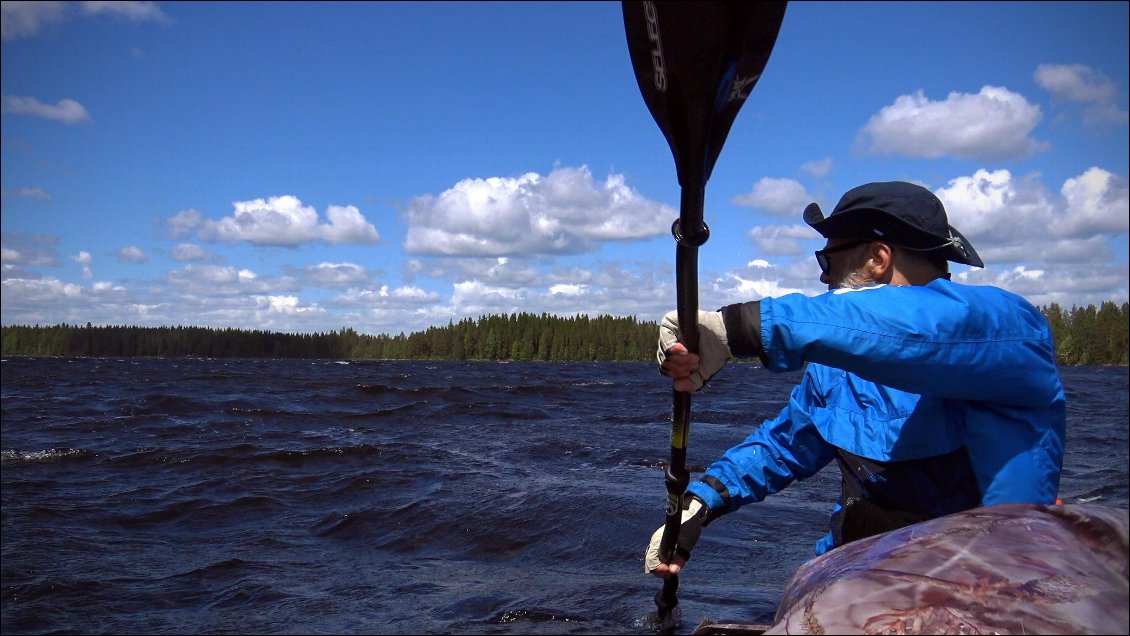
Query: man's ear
x=881, y=261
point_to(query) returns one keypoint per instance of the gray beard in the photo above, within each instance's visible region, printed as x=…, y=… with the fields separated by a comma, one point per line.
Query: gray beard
x=851, y=280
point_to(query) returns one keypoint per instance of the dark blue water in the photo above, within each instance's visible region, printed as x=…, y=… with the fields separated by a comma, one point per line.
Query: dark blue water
x=309, y=497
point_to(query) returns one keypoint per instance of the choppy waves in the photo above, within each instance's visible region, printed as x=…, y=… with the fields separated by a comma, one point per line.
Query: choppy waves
x=256, y=496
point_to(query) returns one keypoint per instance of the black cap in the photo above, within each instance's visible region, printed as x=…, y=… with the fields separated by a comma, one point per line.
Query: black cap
x=897, y=212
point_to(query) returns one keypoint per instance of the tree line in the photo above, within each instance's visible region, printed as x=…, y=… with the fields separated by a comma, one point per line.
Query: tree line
x=522, y=336
x=1083, y=336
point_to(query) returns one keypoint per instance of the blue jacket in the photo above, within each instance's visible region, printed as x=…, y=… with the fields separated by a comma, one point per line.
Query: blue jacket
x=905, y=373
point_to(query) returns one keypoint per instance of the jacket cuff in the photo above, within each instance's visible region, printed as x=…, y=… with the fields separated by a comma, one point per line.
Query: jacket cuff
x=743, y=330
x=713, y=494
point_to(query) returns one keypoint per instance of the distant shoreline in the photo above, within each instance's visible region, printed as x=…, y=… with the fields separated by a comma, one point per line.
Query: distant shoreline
x=1084, y=336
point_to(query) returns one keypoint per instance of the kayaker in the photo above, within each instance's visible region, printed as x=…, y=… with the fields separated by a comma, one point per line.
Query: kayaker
x=932, y=396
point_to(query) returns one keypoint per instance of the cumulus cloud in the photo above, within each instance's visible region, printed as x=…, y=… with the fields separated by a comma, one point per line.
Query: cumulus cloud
x=67, y=111
x=758, y=279
x=502, y=270
x=216, y=280
x=185, y=252
x=994, y=206
x=1075, y=82
x=780, y=197
x=23, y=19
x=476, y=297
x=1097, y=203
x=280, y=221
x=131, y=254
x=565, y=289
x=997, y=206
x=184, y=223
x=408, y=296
x=563, y=212
x=289, y=305
x=1010, y=220
x=781, y=240
x=1065, y=284
x=993, y=124
x=1082, y=84
x=412, y=294
x=30, y=249
x=820, y=168
x=26, y=19
x=132, y=11
x=48, y=291
x=335, y=275
x=86, y=260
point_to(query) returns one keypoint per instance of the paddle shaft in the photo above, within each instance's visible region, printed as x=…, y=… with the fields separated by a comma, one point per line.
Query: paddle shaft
x=690, y=232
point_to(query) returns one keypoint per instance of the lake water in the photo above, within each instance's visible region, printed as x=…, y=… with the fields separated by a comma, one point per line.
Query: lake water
x=318, y=496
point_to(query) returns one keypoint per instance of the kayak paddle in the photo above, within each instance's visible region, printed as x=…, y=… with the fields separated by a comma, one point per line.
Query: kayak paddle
x=695, y=63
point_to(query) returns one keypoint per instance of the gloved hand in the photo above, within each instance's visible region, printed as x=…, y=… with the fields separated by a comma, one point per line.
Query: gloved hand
x=694, y=517
x=713, y=351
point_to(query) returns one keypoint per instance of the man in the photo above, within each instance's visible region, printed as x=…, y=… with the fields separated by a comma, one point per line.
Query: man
x=933, y=397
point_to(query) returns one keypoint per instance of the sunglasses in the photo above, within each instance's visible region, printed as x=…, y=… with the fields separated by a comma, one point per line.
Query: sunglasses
x=822, y=255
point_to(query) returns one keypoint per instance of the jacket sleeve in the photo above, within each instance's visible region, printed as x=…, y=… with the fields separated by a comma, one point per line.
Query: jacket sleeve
x=963, y=342
x=780, y=451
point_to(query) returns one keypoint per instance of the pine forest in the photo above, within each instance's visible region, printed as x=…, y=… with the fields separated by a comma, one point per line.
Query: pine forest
x=1083, y=336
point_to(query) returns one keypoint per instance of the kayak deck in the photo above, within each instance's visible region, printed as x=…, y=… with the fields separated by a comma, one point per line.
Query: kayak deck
x=1005, y=569
x=709, y=628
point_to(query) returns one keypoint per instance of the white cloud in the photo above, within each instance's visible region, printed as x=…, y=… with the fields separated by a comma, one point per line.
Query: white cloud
x=185, y=252
x=568, y=289
x=282, y=221
x=289, y=305
x=781, y=240
x=819, y=168
x=215, y=280
x=104, y=291
x=1048, y=247
x=348, y=225
x=23, y=19
x=475, y=294
x=84, y=259
x=414, y=295
x=1097, y=203
x=562, y=212
x=26, y=19
x=1080, y=83
x=1065, y=284
x=131, y=254
x=39, y=292
x=994, y=124
x=67, y=111
x=406, y=297
x=997, y=210
x=132, y=11
x=1075, y=82
x=993, y=207
x=759, y=279
x=780, y=197
x=184, y=223
x=336, y=275
x=503, y=271
x=30, y=249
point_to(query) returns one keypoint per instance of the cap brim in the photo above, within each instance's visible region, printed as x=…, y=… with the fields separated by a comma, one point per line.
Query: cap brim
x=848, y=226
x=961, y=250
x=813, y=215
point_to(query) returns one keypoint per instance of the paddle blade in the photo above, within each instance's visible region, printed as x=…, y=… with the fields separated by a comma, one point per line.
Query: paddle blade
x=695, y=63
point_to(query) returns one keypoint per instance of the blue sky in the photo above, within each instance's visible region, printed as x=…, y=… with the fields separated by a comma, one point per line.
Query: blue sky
x=309, y=166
